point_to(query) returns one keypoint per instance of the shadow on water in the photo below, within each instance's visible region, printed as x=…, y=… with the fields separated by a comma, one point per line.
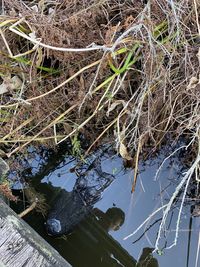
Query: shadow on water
x=101, y=237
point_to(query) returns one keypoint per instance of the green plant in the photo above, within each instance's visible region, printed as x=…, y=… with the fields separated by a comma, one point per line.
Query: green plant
x=76, y=146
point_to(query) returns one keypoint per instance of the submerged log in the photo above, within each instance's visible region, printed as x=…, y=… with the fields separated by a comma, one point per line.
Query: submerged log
x=21, y=246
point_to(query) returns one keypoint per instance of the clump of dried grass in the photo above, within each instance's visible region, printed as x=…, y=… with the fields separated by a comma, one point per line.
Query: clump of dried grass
x=156, y=95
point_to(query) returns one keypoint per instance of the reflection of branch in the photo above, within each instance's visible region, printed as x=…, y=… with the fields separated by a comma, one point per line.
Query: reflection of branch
x=146, y=230
x=144, y=222
x=172, y=154
x=189, y=240
x=185, y=180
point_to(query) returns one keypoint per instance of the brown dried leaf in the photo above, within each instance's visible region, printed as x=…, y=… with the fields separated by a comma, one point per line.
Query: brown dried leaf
x=3, y=88
x=124, y=152
x=198, y=54
x=193, y=83
x=114, y=105
x=10, y=84
x=39, y=57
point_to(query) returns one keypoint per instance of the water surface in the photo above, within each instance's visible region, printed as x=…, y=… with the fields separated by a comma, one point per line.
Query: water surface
x=90, y=245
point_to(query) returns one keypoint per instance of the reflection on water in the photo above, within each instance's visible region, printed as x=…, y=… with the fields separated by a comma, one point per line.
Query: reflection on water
x=94, y=241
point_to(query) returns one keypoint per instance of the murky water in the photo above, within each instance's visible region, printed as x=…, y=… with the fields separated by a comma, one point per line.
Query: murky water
x=92, y=244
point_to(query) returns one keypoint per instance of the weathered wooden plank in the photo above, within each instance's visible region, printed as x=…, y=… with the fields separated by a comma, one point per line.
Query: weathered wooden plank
x=21, y=246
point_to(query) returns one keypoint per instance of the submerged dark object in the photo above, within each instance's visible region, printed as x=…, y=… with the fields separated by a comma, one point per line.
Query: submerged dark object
x=70, y=208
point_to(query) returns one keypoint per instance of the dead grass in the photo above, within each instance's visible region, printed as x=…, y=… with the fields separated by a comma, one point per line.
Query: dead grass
x=121, y=70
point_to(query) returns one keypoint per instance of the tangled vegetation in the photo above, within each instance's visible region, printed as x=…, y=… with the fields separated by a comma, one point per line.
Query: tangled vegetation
x=128, y=70
x=111, y=70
